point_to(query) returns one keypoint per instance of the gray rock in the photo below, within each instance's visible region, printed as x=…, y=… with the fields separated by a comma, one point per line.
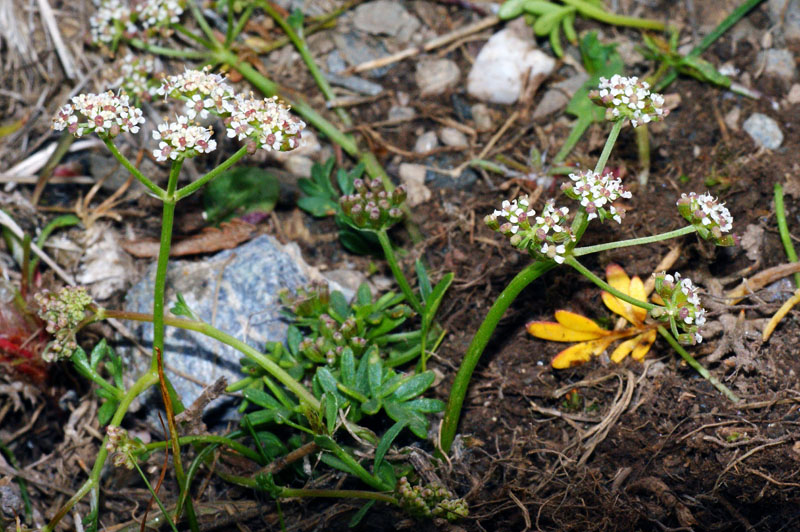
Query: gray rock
x=434, y=76
x=357, y=49
x=426, y=142
x=482, y=117
x=450, y=136
x=559, y=94
x=778, y=62
x=786, y=13
x=384, y=17
x=336, y=65
x=764, y=131
x=246, y=307
x=413, y=178
x=400, y=112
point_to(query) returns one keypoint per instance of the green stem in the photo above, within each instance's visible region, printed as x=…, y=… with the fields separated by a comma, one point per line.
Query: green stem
x=201, y=21
x=183, y=30
x=327, y=443
x=709, y=39
x=577, y=252
x=696, y=365
x=302, y=47
x=213, y=174
x=783, y=229
x=210, y=439
x=612, y=138
x=303, y=492
x=155, y=189
x=167, y=52
x=92, y=483
x=607, y=287
x=458, y=391
x=388, y=252
x=154, y=495
x=259, y=358
x=589, y=10
x=159, y=290
x=239, y=25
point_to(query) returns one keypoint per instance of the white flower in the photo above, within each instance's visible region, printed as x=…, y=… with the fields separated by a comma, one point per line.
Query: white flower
x=596, y=193
x=630, y=98
x=106, y=114
x=180, y=139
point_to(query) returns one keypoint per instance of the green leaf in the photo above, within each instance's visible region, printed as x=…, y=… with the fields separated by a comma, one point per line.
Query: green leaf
x=260, y=417
x=511, y=9
x=106, y=412
x=336, y=463
x=375, y=375
x=423, y=280
x=261, y=398
x=426, y=406
x=326, y=380
x=345, y=179
x=359, y=515
x=318, y=206
x=331, y=406
x=414, y=386
x=295, y=20
x=238, y=191
x=182, y=309
x=347, y=365
x=386, y=442
x=364, y=295
x=433, y=301
x=293, y=339
x=339, y=308
x=390, y=385
x=372, y=406
x=416, y=421
x=358, y=242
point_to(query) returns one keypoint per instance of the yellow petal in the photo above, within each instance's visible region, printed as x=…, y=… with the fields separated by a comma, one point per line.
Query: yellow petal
x=617, y=277
x=624, y=349
x=580, y=353
x=657, y=299
x=548, y=330
x=645, y=343
x=618, y=307
x=576, y=322
x=636, y=291
x=774, y=320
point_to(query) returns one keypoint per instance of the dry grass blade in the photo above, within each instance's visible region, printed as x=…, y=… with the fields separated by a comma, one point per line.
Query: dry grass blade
x=229, y=235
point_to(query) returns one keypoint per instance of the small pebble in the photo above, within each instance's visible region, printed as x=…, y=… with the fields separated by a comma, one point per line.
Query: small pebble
x=435, y=76
x=399, y=112
x=764, y=131
x=385, y=17
x=450, y=136
x=482, y=117
x=794, y=94
x=777, y=62
x=732, y=118
x=413, y=177
x=426, y=142
x=299, y=165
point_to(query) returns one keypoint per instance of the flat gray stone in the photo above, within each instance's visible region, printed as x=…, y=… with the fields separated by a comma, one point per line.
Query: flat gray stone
x=786, y=13
x=384, y=17
x=778, y=62
x=435, y=76
x=246, y=307
x=764, y=131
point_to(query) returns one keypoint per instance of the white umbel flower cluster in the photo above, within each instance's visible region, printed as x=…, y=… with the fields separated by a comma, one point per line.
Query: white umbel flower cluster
x=544, y=236
x=202, y=91
x=106, y=114
x=682, y=301
x=135, y=76
x=267, y=122
x=180, y=139
x=710, y=218
x=597, y=193
x=629, y=98
x=132, y=18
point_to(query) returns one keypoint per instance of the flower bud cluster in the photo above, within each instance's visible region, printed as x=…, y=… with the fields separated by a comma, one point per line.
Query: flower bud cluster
x=62, y=312
x=334, y=338
x=710, y=218
x=180, y=139
x=311, y=300
x=597, y=193
x=543, y=236
x=682, y=303
x=202, y=92
x=122, y=447
x=135, y=76
x=430, y=501
x=105, y=114
x=372, y=206
x=141, y=18
x=629, y=98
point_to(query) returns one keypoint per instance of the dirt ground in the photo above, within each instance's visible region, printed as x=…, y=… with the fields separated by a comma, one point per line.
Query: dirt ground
x=599, y=447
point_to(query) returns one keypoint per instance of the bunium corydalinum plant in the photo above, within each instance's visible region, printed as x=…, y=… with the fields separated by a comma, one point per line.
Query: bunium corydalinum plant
x=551, y=240
x=202, y=96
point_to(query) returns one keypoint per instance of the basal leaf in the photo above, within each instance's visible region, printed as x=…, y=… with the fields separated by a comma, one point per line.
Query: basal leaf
x=643, y=346
x=576, y=322
x=386, y=442
x=261, y=398
x=624, y=349
x=423, y=280
x=580, y=353
x=240, y=190
x=414, y=386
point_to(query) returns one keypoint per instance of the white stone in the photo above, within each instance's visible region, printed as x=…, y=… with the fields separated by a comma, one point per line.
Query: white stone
x=426, y=142
x=498, y=74
x=778, y=62
x=794, y=94
x=732, y=118
x=413, y=177
x=299, y=165
x=385, y=17
x=434, y=76
x=764, y=131
x=450, y=136
x=482, y=117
